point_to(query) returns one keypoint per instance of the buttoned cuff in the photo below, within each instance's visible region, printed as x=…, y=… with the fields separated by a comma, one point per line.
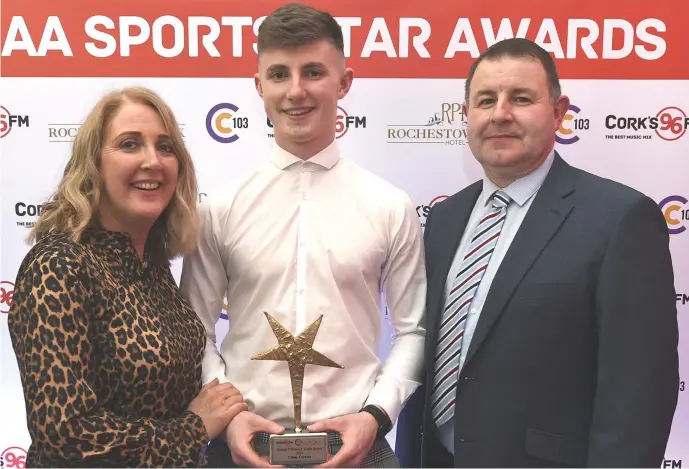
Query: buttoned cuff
x=391, y=396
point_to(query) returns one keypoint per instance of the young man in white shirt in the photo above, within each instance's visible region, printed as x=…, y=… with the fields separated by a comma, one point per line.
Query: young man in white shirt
x=310, y=234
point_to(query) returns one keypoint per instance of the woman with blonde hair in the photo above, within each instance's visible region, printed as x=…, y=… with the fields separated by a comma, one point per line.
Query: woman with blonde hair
x=109, y=352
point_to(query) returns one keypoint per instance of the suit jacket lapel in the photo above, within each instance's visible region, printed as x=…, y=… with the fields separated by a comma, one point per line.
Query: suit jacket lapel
x=545, y=216
x=445, y=243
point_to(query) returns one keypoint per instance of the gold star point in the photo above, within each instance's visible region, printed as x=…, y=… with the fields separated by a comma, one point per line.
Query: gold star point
x=297, y=352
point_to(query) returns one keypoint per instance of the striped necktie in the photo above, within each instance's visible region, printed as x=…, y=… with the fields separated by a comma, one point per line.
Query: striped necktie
x=457, y=306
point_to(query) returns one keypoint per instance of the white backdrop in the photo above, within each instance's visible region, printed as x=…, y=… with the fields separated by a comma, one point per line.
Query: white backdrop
x=33, y=156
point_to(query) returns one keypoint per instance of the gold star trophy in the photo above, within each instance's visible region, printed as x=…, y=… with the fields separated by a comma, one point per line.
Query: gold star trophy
x=300, y=447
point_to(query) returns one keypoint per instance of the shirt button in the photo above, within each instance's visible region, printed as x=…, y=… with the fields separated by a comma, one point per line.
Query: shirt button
x=473, y=310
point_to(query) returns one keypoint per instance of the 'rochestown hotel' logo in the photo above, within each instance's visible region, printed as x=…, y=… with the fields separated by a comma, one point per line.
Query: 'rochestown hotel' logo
x=66, y=133
x=62, y=133
x=447, y=126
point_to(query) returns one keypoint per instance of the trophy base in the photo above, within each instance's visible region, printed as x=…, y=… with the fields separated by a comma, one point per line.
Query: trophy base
x=296, y=449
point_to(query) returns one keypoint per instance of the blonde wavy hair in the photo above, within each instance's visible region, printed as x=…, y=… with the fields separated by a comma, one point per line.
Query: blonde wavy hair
x=74, y=205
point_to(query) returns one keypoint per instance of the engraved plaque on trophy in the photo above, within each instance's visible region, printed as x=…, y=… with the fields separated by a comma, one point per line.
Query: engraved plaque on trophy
x=299, y=447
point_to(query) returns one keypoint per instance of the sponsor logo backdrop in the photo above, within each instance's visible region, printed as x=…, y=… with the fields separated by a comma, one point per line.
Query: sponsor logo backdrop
x=624, y=66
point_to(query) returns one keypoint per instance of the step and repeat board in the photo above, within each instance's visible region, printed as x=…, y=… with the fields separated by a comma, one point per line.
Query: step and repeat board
x=624, y=65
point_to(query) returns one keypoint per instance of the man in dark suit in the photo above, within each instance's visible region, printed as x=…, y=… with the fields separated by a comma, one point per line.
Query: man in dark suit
x=552, y=331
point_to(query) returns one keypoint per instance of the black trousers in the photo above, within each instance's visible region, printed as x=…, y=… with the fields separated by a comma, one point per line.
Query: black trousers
x=218, y=454
x=437, y=455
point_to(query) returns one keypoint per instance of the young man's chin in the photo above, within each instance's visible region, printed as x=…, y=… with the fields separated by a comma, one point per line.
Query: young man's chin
x=301, y=136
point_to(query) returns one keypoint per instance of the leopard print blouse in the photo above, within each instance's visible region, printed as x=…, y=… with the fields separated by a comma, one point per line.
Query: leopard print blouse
x=109, y=355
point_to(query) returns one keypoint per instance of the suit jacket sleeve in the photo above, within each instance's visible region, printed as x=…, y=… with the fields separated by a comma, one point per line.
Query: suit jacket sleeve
x=408, y=440
x=638, y=380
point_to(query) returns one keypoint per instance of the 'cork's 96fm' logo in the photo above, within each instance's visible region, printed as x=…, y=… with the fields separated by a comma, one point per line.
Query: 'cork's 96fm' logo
x=676, y=211
x=422, y=211
x=672, y=463
x=6, y=293
x=672, y=122
x=12, y=457
x=669, y=124
x=344, y=121
x=8, y=121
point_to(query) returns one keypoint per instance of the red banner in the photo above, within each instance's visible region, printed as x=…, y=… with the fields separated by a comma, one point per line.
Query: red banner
x=610, y=39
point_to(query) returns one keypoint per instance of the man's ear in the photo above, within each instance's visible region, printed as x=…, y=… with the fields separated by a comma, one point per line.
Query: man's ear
x=257, y=84
x=561, y=108
x=345, y=83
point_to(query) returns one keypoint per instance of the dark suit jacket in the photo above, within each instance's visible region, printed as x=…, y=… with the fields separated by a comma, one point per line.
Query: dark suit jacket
x=574, y=358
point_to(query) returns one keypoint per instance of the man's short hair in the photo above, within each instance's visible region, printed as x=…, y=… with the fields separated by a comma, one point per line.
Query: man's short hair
x=518, y=48
x=295, y=25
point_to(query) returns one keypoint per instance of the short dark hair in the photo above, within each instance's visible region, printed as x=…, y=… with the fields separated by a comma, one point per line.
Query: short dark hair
x=295, y=25
x=517, y=48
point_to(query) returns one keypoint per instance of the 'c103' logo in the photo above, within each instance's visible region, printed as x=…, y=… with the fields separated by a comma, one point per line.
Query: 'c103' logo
x=223, y=313
x=571, y=126
x=676, y=212
x=223, y=124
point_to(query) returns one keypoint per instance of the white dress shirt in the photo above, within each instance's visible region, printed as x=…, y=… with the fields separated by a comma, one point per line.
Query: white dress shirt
x=522, y=192
x=300, y=239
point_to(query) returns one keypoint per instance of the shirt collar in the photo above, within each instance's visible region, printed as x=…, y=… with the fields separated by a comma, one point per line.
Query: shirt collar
x=523, y=188
x=326, y=158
